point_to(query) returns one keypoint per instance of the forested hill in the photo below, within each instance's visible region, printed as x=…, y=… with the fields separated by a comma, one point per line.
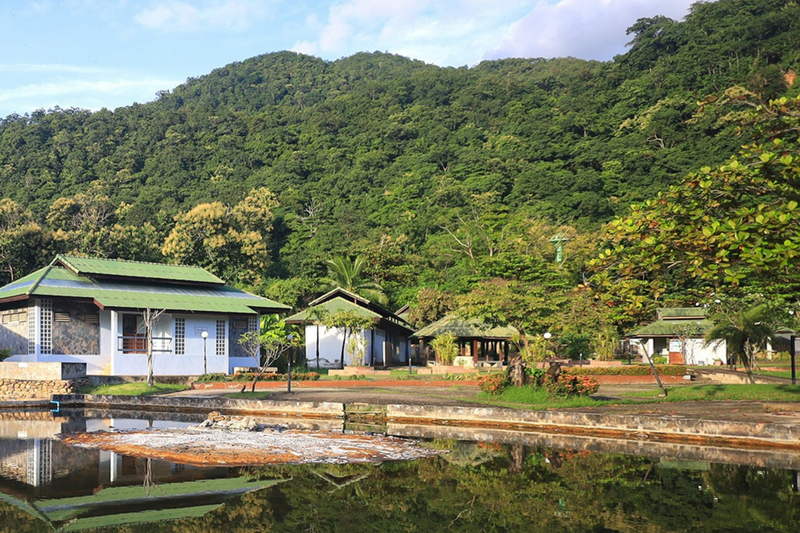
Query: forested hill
x=377, y=150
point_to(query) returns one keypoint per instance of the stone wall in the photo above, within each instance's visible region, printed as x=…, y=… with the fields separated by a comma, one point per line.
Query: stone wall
x=14, y=330
x=36, y=371
x=76, y=329
x=22, y=388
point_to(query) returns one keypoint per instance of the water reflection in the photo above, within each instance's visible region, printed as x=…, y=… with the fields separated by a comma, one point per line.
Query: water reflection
x=504, y=482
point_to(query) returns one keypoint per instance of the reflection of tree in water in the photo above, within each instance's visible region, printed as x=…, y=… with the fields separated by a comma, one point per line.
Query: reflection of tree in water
x=511, y=488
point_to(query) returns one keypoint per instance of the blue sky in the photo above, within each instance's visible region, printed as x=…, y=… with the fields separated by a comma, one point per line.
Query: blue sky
x=110, y=53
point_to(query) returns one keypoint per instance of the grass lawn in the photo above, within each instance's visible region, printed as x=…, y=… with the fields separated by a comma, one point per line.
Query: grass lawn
x=686, y=393
x=536, y=398
x=134, y=389
x=259, y=395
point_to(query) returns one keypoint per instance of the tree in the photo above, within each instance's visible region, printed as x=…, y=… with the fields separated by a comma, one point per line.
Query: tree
x=149, y=320
x=21, y=241
x=734, y=227
x=744, y=331
x=348, y=274
x=349, y=322
x=445, y=347
x=267, y=344
x=230, y=242
x=531, y=308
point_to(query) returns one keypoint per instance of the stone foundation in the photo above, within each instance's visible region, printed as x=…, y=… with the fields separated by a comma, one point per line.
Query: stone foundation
x=19, y=388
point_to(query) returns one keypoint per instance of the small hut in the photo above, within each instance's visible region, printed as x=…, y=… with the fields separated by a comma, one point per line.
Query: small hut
x=483, y=343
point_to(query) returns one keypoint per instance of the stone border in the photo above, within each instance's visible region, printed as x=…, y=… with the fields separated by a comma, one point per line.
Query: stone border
x=199, y=404
x=665, y=427
x=631, y=427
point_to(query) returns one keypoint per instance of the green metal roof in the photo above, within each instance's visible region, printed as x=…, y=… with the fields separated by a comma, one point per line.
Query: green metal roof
x=673, y=328
x=330, y=307
x=56, y=281
x=90, y=267
x=466, y=328
x=681, y=312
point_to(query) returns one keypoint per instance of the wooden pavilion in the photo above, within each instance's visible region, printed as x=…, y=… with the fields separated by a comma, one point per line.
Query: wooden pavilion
x=476, y=339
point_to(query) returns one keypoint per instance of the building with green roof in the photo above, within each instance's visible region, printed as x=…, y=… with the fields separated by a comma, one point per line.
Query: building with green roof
x=476, y=339
x=89, y=310
x=678, y=334
x=386, y=341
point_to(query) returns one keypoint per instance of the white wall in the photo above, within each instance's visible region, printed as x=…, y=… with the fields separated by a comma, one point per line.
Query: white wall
x=188, y=364
x=695, y=352
x=330, y=346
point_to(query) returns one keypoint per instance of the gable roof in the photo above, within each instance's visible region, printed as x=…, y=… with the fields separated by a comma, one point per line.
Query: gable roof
x=678, y=313
x=466, y=328
x=137, y=292
x=673, y=328
x=94, y=267
x=329, y=307
x=341, y=300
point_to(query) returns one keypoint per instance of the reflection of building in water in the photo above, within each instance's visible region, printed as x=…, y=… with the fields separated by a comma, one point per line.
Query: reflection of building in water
x=39, y=459
x=80, y=488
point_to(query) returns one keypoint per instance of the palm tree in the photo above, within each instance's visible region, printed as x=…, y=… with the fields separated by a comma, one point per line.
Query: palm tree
x=349, y=275
x=745, y=332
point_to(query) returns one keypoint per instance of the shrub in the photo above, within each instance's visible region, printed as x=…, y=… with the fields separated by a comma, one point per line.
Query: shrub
x=570, y=385
x=214, y=377
x=445, y=348
x=493, y=383
x=534, y=374
x=630, y=370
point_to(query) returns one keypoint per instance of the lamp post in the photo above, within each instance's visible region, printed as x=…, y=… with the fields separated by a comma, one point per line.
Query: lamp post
x=547, y=336
x=289, y=363
x=205, y=359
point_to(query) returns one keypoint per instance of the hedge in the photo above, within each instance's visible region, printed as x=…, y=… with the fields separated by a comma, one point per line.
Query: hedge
x=630, y=370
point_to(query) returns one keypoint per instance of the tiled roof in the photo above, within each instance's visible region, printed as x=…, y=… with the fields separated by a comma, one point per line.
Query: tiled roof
x=681, y=312
x=330, y=307
x=56, y=281
x=466, y=328
x=673, y=328
x=91, y=267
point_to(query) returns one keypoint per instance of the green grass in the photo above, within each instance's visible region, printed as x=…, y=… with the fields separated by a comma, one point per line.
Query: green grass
x=134, y=389
x=775, y=373
x=260, y=395
x=688, y=393
x=535, y=398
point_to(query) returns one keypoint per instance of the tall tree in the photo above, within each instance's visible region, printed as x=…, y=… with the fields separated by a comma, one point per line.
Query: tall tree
x=744, y=331
x=348, y=274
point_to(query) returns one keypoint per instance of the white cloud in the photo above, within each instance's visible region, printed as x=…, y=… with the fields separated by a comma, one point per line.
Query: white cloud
x=44, y=67
x=442, y=32
x=588, y=29
x=458, y=32
x=179, y=15
x=77, y=92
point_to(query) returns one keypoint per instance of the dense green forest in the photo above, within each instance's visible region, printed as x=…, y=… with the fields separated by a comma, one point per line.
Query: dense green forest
x=449, y=181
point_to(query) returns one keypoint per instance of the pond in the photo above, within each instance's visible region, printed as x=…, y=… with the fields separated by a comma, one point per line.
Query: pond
x=484, y=481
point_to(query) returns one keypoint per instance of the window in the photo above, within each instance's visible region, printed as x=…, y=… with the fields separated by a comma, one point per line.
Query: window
x=220, y=337
x=252, y=323
x=180, y=336
x=46, y=321
x=32, y=328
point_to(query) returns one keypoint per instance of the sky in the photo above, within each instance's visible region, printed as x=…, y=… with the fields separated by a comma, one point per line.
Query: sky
x=94, y=54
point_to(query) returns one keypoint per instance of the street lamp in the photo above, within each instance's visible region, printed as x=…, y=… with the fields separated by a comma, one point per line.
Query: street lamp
x=205, y=359
x=289, y=362
x=547, y=336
